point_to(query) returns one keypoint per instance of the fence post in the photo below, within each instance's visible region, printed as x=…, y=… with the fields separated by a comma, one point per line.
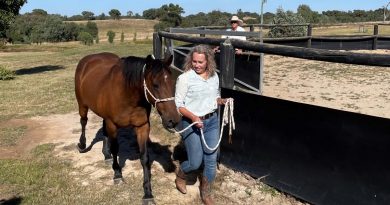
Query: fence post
x=375, y=40
x=227, y=62
x=203, y=28
x=309, y=34
x=157, y=45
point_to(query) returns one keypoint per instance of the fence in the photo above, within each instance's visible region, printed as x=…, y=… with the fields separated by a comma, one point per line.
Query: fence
x=321, y=155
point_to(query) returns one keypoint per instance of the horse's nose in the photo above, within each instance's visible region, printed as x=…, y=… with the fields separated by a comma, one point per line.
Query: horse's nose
x=171, y=124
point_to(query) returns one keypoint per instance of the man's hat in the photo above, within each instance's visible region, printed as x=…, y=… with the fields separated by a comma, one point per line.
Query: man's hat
x=236, y=19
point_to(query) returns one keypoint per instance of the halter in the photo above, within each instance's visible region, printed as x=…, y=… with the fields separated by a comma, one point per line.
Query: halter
x=146, y=91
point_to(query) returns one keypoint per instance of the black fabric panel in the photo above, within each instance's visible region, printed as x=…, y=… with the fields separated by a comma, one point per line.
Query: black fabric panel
x=383, y=43
x=345, y=44
x=246, y=69
x=321, y=155
x=298, y=43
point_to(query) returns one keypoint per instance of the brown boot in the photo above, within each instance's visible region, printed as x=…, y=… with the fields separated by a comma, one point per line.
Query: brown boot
x=180, y=181
x=205, y=191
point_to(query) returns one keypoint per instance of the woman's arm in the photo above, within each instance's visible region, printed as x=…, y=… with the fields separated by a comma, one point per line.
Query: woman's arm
x=188, y=114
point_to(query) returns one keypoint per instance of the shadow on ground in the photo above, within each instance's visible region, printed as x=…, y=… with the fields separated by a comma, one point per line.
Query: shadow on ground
x=128, y=149
x=38, y=69
x=12, y=201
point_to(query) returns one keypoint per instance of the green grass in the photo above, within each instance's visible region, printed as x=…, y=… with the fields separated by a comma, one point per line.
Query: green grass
x=9, y=136
x=43, y=179
x=6, y=74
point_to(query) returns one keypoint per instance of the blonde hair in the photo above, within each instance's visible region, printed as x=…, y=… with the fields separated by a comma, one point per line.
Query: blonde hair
x=209, y=54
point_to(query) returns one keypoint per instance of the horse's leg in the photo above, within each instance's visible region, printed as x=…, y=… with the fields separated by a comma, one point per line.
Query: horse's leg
x=114, y=147
x=142, y=138
x=83, y=111
x=106, y=145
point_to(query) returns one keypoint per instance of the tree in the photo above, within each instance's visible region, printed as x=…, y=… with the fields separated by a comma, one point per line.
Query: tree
x=39, y=12
x=85, y=38
x=102, y=16
x=150, y=14
x=169, y=15
x=309, y=15
x=129, y=13
x=115, y=14
x=88, y=15
x=92, y=28
x=384, y=12
x=111, y=36
x=288, y=17
x=9, y=10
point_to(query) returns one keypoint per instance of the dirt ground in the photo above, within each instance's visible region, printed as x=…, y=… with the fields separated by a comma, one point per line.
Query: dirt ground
x=64, y=131
x=361, y=89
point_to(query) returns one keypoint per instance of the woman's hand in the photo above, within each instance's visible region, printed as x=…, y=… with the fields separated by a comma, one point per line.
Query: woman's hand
x=195, y=118
x=221, y=101
x=186, y=113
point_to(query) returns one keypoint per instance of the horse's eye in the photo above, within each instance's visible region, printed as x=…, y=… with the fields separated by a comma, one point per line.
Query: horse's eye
x=155, y=86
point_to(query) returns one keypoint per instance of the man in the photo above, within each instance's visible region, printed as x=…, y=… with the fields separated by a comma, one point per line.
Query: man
x=236, y=24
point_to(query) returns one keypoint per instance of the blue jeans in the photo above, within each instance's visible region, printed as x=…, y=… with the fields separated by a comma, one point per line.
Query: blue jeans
x=196, y=151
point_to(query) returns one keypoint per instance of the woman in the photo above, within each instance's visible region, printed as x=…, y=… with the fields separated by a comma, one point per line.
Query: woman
x=197, y=98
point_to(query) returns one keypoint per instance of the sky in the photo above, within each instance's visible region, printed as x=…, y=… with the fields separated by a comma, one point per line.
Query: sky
x=75, y=7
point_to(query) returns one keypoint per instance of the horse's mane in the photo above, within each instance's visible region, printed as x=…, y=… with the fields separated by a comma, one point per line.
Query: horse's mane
x=132, y=69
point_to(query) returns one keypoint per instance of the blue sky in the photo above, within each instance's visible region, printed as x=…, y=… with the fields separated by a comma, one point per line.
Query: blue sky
x=74, y=7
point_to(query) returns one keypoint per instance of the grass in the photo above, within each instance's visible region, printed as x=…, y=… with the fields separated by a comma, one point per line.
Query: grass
x=140, y=28
x=44, y=83
x=6, y=74
x=43, y=179
x=9, y=136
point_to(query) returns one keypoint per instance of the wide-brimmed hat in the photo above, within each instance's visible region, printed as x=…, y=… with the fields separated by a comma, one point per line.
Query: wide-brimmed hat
x=235, y=18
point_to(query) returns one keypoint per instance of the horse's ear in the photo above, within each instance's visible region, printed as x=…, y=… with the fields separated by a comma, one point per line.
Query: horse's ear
x=168, y=60
x=149, y=59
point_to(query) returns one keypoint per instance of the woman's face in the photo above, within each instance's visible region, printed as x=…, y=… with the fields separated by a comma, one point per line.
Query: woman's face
x=199, y=62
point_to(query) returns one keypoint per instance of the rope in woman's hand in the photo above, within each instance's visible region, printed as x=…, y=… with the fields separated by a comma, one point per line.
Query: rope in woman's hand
x=227, y=118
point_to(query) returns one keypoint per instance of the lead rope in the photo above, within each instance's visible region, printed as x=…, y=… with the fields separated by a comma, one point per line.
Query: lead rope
x=227, y=118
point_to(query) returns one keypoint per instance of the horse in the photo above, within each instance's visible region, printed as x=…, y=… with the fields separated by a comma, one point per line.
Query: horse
x=122, y=91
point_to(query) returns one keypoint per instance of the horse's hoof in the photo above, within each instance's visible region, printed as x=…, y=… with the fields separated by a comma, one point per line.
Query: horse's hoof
x=81, y=147
x=108, y=161
x=118, y=181
x=149, y=201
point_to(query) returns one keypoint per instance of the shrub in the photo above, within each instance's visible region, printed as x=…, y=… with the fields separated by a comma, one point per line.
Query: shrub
x=6, y=74
x=135, y=37
x=111, y=36
x=288, y=17
x=122, y=37
x=85, y=38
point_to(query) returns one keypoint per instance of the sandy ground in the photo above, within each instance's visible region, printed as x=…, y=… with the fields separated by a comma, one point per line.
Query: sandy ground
x=354, y=88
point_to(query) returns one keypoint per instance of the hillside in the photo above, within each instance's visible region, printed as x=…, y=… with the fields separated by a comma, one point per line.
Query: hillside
x=142, y=28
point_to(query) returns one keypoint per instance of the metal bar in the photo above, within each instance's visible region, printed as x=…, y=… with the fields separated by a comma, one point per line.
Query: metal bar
x=214, y=32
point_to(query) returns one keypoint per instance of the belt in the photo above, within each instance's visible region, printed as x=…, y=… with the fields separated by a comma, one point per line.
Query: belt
x=207, y=116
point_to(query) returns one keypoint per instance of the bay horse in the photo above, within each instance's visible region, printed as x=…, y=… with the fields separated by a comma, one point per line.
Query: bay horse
x=122, y=92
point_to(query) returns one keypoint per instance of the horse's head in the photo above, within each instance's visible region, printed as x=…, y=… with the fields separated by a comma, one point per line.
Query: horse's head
x=159, y=90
